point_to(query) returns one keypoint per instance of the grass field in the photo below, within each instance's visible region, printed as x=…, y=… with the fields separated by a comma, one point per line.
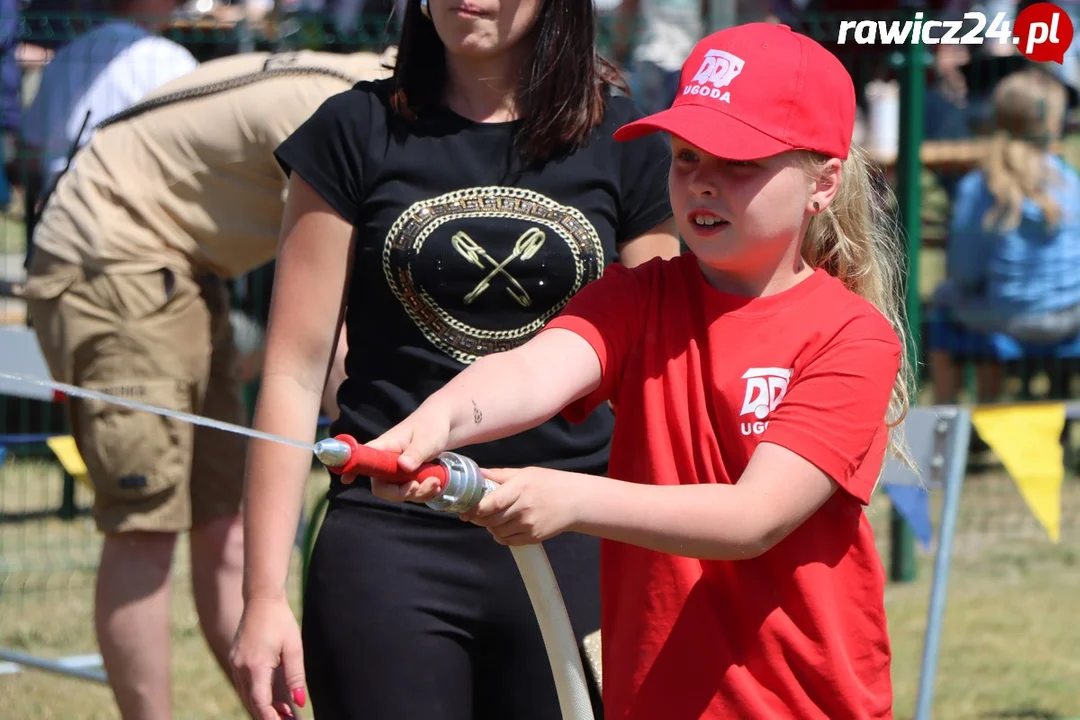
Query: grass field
x=12, y=234
x=1009, y=648
x=46, y=594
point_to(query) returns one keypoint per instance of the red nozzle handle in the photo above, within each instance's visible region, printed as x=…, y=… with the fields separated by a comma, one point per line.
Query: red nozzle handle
x=383, y=465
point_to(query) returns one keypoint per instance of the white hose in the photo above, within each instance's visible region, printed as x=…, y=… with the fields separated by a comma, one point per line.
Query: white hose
x=465, y=487
x=558, y=633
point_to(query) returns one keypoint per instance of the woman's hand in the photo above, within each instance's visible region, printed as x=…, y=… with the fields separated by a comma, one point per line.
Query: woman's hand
x=267, y=649
x=416, y=440
x=529, y=506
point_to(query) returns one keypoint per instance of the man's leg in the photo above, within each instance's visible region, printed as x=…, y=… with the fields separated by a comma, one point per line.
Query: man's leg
x=146, y=337
x=131, y=617
x=217, y=574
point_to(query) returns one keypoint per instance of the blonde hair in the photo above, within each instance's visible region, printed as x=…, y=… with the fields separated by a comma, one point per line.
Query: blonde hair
x=1028, y=114
x=857, y=240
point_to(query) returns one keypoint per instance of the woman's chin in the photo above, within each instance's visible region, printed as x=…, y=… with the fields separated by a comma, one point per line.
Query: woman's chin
x=474, y=43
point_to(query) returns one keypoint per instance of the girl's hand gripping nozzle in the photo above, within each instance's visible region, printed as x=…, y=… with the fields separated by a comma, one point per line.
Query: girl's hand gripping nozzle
x=461, y=484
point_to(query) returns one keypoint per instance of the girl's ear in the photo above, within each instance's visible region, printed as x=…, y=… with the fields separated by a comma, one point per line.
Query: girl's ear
x=824, y=186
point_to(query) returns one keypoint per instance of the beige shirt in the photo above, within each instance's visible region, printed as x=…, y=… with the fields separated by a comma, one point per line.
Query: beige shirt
x=193, y=185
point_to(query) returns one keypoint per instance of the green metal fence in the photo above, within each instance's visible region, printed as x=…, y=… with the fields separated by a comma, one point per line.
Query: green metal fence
x=924, y=120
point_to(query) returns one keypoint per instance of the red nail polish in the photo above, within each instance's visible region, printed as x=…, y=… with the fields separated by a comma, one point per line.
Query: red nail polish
x=298, y=696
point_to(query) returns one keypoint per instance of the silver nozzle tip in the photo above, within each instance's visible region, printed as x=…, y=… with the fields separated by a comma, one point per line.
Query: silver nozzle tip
x=332, y=453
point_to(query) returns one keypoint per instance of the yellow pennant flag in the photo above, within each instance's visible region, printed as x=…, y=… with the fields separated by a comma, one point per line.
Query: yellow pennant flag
x=1027, y=438
x=63, y=447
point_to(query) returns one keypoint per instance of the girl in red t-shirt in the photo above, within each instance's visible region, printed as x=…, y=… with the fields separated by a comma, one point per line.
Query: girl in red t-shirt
x=754, y=379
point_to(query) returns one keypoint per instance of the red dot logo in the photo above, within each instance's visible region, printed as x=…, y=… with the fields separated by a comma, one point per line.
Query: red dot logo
x=1043, y=32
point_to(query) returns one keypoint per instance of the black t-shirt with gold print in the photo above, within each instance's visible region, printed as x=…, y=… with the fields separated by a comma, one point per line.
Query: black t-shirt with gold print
x=461, y=252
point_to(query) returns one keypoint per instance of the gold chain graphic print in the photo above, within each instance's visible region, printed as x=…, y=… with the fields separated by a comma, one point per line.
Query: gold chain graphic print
x=482, y=270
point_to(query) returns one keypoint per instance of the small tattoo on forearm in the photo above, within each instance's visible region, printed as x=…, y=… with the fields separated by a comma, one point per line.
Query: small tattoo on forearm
x=477, y=416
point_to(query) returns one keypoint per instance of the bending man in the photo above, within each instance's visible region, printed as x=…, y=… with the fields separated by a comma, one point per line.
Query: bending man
x=126, y=292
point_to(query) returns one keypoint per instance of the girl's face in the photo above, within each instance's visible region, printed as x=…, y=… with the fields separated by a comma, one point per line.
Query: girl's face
x=740, y=217
x=482, y=28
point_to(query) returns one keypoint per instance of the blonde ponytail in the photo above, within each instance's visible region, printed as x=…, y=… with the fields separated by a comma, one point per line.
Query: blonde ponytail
x=1029, y=114
x=857, y=240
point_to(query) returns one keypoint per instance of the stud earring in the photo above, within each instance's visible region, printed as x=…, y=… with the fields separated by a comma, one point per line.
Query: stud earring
x=424, y=9
x=816, y=206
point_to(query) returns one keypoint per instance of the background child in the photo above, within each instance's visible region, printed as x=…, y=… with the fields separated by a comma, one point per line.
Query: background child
x=752, y=380
x=1015, y=226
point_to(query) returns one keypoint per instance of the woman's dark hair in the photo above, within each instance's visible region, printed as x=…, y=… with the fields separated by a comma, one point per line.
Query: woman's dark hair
x=560, y=96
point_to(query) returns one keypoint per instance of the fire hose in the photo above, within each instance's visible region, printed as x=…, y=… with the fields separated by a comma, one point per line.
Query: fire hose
x=462, y=486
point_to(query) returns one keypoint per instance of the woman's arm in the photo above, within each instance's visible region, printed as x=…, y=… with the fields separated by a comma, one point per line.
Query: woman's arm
x=312, y=273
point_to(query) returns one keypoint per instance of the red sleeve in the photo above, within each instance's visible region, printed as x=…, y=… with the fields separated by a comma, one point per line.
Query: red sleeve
x=608, y=313
x=834, y=412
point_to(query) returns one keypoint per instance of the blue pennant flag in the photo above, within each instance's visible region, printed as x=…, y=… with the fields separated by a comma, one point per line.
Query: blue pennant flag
x=913, y=504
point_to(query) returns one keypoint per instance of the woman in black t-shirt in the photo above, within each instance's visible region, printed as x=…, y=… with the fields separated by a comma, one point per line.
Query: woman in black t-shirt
x=445, y=213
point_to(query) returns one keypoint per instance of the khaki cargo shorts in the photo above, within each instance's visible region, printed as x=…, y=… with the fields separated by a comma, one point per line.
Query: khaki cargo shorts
x=159, y=338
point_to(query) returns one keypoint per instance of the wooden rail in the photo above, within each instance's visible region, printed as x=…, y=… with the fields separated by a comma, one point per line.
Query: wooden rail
x=949, y=154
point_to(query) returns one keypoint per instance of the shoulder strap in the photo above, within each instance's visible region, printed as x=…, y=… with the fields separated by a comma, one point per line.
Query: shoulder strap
x=276, y=66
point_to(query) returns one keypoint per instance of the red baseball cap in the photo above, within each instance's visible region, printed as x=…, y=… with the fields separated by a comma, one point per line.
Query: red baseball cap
x=756, y=90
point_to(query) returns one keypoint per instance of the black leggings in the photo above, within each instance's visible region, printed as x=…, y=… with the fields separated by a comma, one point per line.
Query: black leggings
x=415, y=615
